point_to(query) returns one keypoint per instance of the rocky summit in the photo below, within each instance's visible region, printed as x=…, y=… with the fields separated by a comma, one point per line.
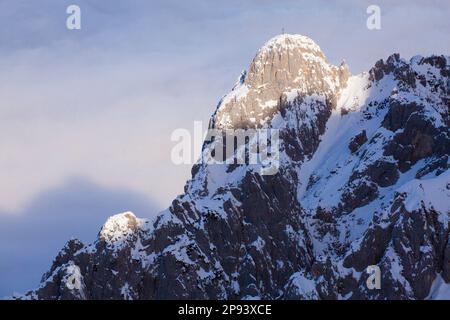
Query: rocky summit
x=363, y=181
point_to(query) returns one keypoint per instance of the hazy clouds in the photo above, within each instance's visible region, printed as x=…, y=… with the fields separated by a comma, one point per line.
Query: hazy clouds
x=99, y=104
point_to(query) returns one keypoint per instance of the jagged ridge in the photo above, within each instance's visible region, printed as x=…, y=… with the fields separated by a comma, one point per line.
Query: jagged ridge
x=363, y=180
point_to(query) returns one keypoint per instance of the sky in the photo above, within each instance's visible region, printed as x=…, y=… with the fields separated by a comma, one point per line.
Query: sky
x=86, y=115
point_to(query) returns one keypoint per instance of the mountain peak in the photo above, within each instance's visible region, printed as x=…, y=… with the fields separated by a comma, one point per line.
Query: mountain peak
x=287, y=65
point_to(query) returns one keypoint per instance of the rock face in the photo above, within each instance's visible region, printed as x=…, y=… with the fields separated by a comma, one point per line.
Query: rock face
x=363, y=181
x=286, y=67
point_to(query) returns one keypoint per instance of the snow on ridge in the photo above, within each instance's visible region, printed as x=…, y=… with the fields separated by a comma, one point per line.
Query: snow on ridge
x=433, y=193
x=290, y=41
x=286, y=67
x=120, y=228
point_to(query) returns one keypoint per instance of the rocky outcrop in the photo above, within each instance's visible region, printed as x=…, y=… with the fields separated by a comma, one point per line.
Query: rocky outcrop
x=357, y=141
x=362, y=181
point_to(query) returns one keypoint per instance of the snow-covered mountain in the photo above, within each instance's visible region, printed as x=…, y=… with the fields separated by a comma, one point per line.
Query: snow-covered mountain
x=363, y=180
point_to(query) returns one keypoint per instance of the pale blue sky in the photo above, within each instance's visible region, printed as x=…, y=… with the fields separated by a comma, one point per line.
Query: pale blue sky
x=86, y=116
